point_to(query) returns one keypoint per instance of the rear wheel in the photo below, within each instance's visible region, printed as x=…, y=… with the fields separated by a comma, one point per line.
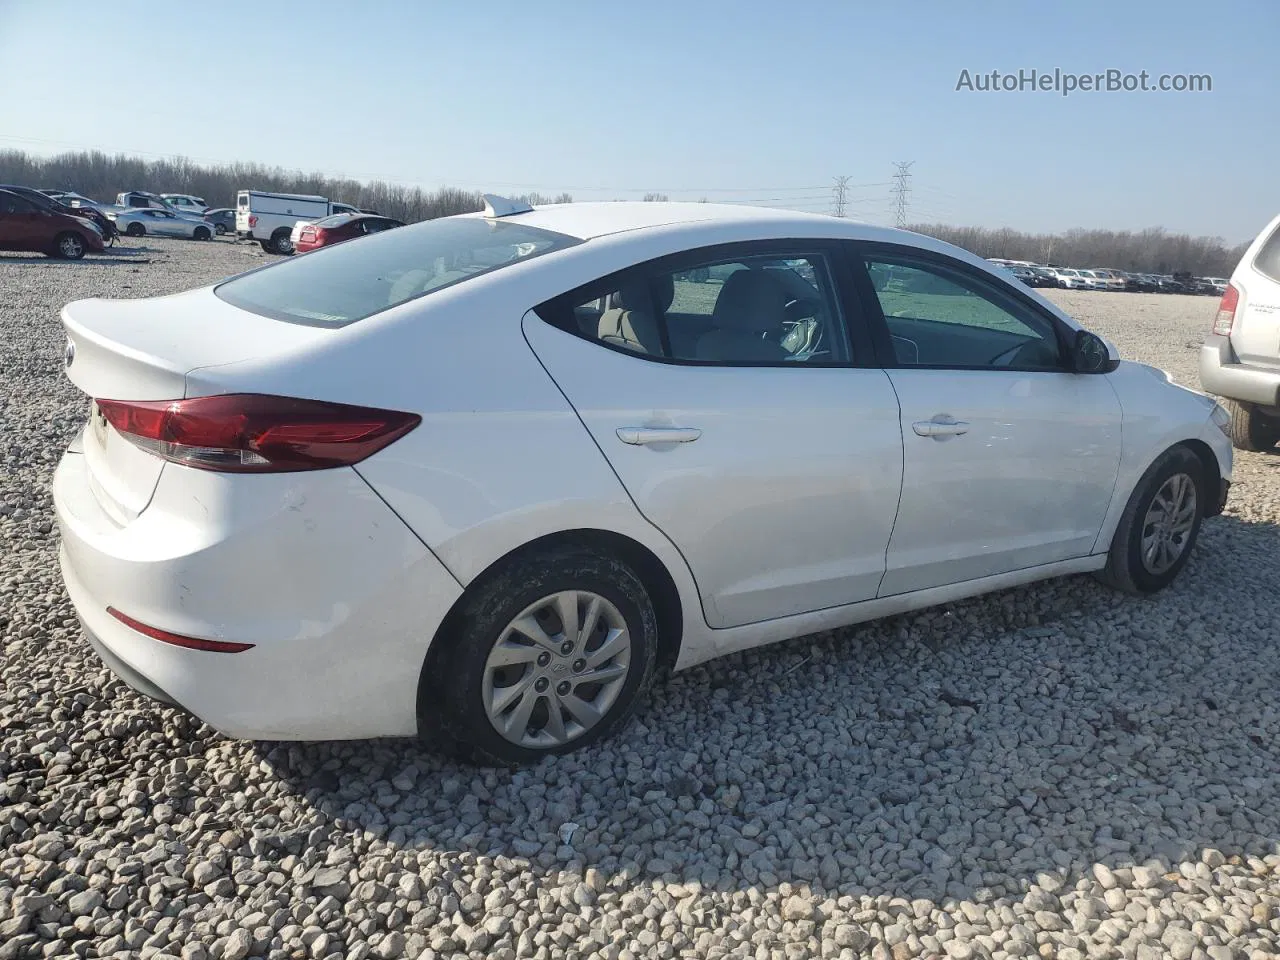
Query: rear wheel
x=136, y=230
x=547, y=656
x=280, y=243
x=202, y=233
x=69, y=246
x=219, y=229
x=1159, y=526
x=1251, y=429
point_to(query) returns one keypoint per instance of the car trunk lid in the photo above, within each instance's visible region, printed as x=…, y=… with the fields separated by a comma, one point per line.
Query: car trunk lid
x=143, y=350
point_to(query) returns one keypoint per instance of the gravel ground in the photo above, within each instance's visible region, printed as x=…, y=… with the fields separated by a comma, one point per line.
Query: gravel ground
x=1053, y=771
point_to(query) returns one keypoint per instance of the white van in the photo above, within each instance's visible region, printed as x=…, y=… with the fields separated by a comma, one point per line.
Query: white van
x=269, y=217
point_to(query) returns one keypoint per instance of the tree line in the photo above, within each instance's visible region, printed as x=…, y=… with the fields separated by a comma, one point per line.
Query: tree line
x=1146, y=251
x=102, y=176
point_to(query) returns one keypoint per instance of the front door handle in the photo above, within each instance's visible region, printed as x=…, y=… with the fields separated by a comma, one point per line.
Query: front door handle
x=941, y=427
x=642, y=436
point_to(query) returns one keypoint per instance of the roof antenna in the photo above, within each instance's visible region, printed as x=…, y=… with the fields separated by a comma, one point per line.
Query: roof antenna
x=495, y=206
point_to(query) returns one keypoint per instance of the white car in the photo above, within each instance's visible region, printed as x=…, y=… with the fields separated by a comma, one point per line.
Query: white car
x=1240, y=358
x=186, y=203
x=150, y=221
x=476, y=478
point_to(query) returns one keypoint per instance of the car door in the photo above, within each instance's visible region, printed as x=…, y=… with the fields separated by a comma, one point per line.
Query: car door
x=15, y=222
x=1010, y=460
x=724, y=390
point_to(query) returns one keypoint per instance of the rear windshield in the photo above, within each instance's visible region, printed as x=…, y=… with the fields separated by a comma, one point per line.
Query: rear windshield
x=338, y=285
x=1267, y=261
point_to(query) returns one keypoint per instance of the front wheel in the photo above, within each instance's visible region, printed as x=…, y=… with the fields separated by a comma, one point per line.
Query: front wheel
x=69, y=246
x=549, y=655
x=1250, y=429
x=136, y=230
x=1159, y=526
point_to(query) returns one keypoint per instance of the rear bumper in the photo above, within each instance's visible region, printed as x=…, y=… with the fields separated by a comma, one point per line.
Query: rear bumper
x=1222, y=373
x=337, y=595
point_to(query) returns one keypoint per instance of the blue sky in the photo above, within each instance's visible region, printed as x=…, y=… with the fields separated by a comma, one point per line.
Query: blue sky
x=750, y=101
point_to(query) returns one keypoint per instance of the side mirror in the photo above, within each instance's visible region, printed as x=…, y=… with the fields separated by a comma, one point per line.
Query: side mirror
x=1091, y=354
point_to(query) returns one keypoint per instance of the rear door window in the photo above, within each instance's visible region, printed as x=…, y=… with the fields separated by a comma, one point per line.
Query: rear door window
x=338, y=285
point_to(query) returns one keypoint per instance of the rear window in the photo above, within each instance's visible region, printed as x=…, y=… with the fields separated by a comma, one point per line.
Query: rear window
x=1267, y=261
x=338, y=285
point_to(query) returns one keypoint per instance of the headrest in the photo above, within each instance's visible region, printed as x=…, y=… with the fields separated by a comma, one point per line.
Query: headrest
x=751, y=300
x=641, y=293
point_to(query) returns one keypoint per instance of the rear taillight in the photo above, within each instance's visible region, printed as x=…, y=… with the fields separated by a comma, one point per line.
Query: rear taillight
x=311, y=233
x=253, y=220
x=1226, y=317
x=253, y=433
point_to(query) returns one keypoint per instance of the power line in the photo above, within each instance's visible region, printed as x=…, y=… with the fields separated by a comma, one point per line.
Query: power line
x=901, y=190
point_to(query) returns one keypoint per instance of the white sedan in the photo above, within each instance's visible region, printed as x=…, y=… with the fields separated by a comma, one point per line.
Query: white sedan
x=152, y=221
x=475, y=479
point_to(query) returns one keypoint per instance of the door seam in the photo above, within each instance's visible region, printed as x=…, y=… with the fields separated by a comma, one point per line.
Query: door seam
x=902, y=482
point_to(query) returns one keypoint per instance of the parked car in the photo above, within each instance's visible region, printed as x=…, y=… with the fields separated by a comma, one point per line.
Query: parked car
x=223, y=220
x=270, y=218
x=186, y=203
x=1240, y=358
x=1044, y=276
x=1112, y=279
x=1070, y=279
x=162, y=223
x=26, y=225
x=41, y=198
x=324, y=492
x=1088, y=280
x=336, y=229
x=142, y=199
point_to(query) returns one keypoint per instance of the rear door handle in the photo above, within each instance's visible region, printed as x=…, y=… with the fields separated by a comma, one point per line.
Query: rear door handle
x=642, y=436
x=940, y=427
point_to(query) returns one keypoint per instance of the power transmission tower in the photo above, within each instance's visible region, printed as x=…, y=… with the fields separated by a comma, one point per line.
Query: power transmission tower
x=901, y=190
x=838, y=195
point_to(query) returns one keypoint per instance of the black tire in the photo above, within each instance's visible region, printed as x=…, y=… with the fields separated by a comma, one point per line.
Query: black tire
x=136, y=230
x=266, y=245
x=219, y=229
x=451, y=700
x=202, y=233
x=1250, y=429
x=281, y=244
x=68, y=246
x=1126, y=570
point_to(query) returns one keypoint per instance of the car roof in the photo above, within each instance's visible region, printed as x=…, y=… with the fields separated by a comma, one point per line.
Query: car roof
x=589, y=219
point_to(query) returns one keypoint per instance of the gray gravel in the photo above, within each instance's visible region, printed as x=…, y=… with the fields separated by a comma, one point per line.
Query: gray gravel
x=1054, y=771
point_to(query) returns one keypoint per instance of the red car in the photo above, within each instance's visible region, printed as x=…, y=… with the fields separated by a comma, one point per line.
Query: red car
x=339, y=227
x=27, y=226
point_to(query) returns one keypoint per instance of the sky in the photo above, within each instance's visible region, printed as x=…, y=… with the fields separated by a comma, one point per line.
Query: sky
x=753, y=101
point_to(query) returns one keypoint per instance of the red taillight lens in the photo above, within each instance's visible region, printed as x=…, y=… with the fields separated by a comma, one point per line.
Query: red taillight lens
x=311, y=234
x=253, y=220
x=253, y=433
x=1226, y=317
x=177, y=639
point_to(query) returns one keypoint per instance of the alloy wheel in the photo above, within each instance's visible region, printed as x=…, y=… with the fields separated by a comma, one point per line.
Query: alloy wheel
x=1167, y=527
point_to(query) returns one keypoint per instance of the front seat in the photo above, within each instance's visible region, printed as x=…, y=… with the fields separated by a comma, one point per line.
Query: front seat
x=748, y=319
x=630, y=320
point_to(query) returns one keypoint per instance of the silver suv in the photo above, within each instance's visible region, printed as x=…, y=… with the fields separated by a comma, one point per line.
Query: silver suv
x=1240, y=359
